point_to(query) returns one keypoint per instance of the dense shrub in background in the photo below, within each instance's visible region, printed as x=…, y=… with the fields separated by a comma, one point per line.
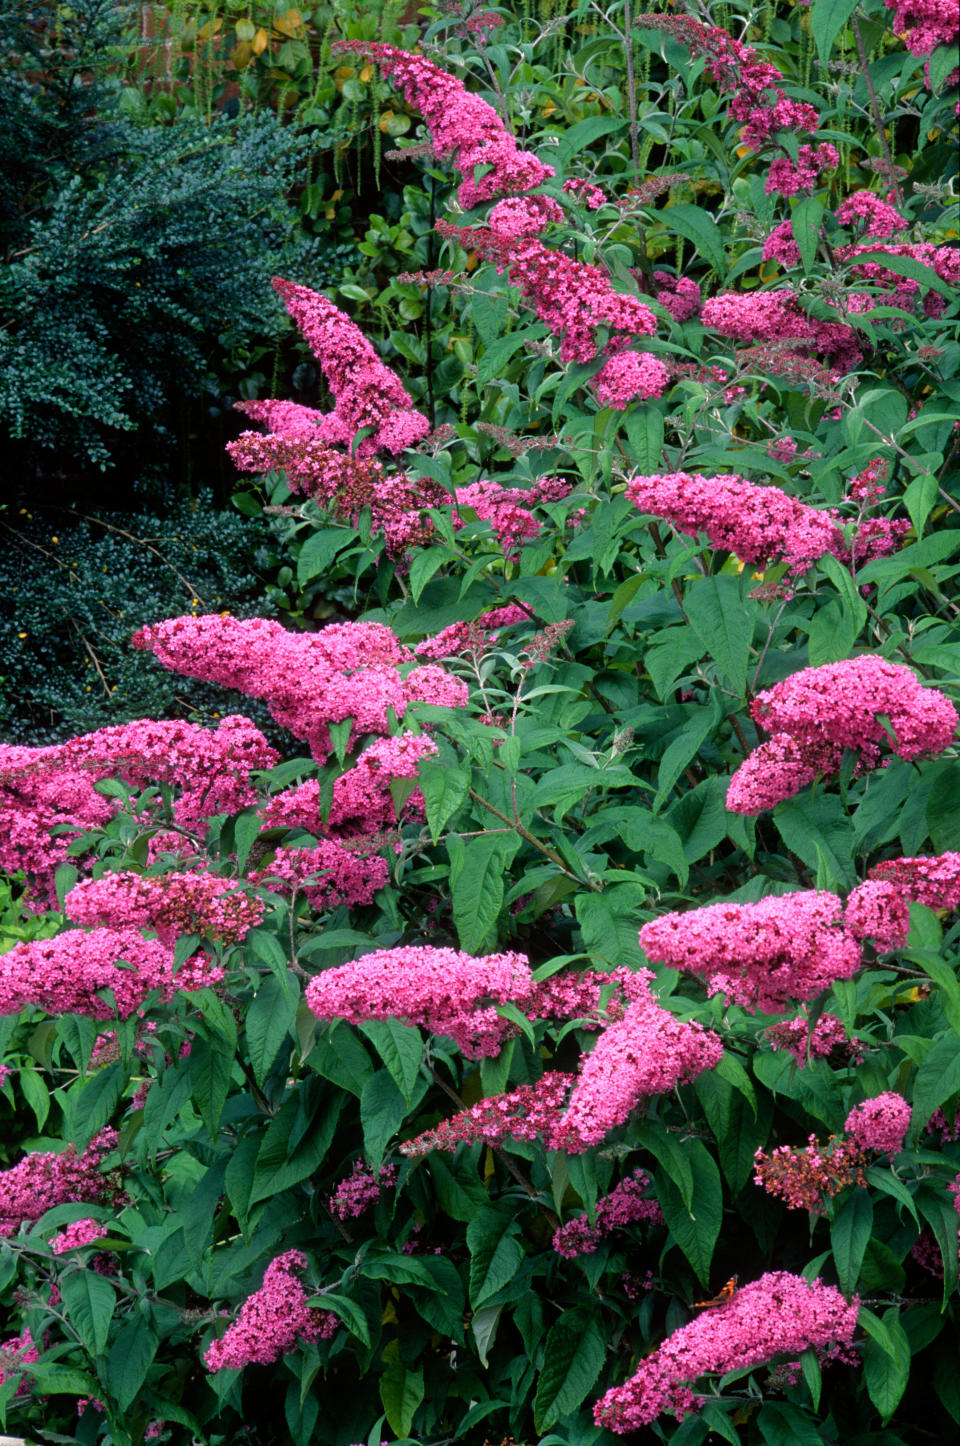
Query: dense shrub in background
x=135, y=254
x=560, y=1042
x=71, y=598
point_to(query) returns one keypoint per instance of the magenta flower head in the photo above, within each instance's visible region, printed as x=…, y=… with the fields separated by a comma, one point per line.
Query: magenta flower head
x=645, y=1053
x=448, y=992
x=765, y=956
x=880, y=1123
x=67, y=974
x=862, y=704
x=932, y=881
x=779, y=1314
x=273, y=1321
x=367, y=393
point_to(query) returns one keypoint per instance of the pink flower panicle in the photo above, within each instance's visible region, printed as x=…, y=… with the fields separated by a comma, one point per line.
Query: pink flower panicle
x=77, y=1234
x=67, y=974
x=879, y=1124
x=778, y=1314
x=502, y=508
x=934, y=881
x=646, y=1053
x=15, y=1354
x=517, y=216
x=308, y=680
x=360, y=1190
x=880, y=912
x=273, y=1321
x=463, y=128
x=872, y=215
x=626, y=1205
x=571, y=297
x=585, y=192
x=629, y=376
x=45, y=1179
x=521, y=1114
x=366, y=393
x=925, y=24
x=447, y=992
x=456, y=641
x=173, y=904
x=776, y=316
x=328, y=875
x=345, y=485
x=817, y=713
x=761, y=525
x=828, y=1037
x=764, y=956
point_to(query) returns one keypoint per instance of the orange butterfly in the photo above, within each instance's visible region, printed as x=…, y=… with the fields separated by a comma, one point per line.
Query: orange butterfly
x=728, y=1292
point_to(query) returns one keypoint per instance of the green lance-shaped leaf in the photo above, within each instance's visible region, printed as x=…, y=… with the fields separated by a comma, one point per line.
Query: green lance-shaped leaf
x=89, y=1301
x=849, y=1237
x=572, y=1360
x=401, y=1391
x=495, y=1254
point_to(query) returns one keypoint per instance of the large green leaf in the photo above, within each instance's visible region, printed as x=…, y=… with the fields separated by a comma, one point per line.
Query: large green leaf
x=495, y=1253
x=401, y=1391
x=695, y=1229
x=610, y=923
x=89, y=1301
x=723, y=621
x=211, y=1065
x=383, y=1110
x=444, y=787
x=698, y=226
x=573, y=1357
x=269, y=1019
x=849, y=1237
x=827, y=19
x=401, y=1049
x=477, y=867
x=131, y=1355
x=886, y=1365
x=281, y=1163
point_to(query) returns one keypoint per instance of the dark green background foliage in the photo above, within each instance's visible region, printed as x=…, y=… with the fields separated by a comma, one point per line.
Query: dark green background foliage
x=601, y=806
x=70, y=599
x=136, y=256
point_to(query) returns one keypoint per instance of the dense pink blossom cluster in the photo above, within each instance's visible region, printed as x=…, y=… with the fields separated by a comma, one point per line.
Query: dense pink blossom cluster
x=67, y=974
x=878, y=911
x=629, y=375
x=759, y=102
x=925, y=24
x=817, y=713
x=456, y=641
x=764, y=956
x=366, y=393
x=827, y=1037
x=879, y=1124
x=760, y=525
x=273, y=1321
x=777, y=316
x=517, y=216
x=360, y=1190
x=645, y=1053
x=345, y=485
x=362, y=802
x=77, y=1234
x=446, y=991
x=45, y=1179
x=173, y=904
x=776, y=1315
x=521, y=1114
x=626, y=1205
x=308, y=680
x=585, y=192
x=572, y=297
x=15, y=1354
x=870, y=214
x=789, y=178
x=512, y=523
x=291, y=422
x=327, y=875
x=678, y=294
x=463, y=128
x=52, y=788
x=934, y=881
x=803, y=1177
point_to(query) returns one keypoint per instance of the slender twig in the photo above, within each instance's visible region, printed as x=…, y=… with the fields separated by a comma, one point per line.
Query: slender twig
x=141, y=542
x=875, y=112
x=531, y=839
